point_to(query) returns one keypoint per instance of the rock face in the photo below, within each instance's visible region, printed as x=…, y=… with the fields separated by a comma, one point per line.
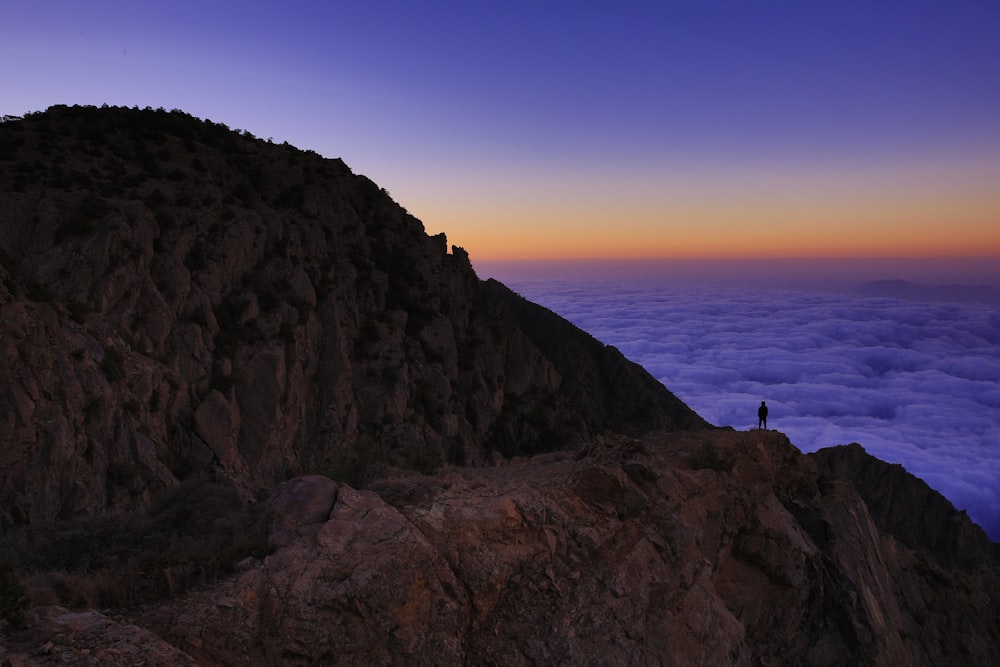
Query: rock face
x=62, y=637
x=596, y=376
x=628, y=553
x=912, y=512
x=176, y=297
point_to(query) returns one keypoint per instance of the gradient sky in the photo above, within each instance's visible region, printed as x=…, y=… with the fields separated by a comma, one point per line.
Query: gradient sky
x=543, y=129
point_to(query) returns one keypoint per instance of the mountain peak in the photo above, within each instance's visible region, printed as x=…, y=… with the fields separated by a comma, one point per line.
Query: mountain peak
x=188, y=299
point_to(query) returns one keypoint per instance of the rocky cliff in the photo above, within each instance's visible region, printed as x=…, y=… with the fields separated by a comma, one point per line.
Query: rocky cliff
x=252, y=414
x=721, y=548
x=177, y=297
x=701, y=548
x=909, y=510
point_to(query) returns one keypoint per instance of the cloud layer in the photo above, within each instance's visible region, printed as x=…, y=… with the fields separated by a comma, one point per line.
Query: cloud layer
x=915, y=383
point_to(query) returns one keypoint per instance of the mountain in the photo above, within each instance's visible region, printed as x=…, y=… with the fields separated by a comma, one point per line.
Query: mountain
x=180, y=298
x=251, y=413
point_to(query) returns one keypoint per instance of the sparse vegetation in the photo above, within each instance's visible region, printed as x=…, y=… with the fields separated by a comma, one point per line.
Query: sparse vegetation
x=111, y=365
x=84, y=217
x=232, y=331
x=197, y=257
x=707, y=457
x=357, y=465
x=287, y=333
x=13, y=596
x=220, y=381
x=455, y=454
x=77, y=311
x=368, y=333
x=421, y=459
x=190, y=536
x=155, y=199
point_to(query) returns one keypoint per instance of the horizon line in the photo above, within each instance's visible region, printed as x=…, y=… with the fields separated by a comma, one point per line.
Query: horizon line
x=746, y=258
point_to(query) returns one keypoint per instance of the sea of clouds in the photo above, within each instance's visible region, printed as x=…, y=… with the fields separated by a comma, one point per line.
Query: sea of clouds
x=914, y=383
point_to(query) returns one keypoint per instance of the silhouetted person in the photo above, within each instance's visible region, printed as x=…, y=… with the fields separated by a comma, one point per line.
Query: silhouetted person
x=762, y=415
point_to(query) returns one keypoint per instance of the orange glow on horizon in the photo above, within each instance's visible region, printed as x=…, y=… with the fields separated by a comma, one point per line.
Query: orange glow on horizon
x=947, y=209
x=918, y=229
x=623, y=241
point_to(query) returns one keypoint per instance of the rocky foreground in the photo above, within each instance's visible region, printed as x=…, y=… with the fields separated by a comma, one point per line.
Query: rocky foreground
x=708, y=548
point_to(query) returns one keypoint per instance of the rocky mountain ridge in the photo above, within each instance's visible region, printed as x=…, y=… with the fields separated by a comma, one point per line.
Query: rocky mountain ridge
x=176, y=298
x=251, y=413
x=712, y=547
x=905, y=507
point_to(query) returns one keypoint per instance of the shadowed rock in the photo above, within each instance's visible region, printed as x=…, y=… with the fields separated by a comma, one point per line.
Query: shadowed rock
x=255, y=312
x=905, y=507
x=624, y=554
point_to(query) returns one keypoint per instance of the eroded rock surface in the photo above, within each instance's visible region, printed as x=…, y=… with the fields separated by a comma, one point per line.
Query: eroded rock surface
x=625, y=554
x=58, y=636
x=907, y=508
x=178, y=299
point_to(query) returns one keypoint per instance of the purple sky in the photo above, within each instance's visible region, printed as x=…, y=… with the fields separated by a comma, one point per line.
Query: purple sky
x=543, y=129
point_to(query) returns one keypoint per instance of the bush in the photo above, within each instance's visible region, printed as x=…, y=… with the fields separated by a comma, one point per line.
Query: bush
x=360, y=464
x=421, y=459
x=13, y=596
x=455, y=455
x=707, y=457
x=112, y=365
x=84, y=217
x=155, y=199
x=190, y=536
x=197, y=257
x=77, y=311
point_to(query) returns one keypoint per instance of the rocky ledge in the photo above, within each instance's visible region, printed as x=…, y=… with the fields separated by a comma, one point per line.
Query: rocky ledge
x=705, y=548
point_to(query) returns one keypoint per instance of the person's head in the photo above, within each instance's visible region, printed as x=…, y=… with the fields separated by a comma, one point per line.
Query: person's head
x=762, y=402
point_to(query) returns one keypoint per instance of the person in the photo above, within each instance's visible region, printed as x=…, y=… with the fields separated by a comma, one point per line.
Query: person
x=762, y=415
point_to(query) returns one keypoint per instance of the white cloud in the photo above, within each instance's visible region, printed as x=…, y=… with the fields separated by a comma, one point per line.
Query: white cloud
x=914, y=383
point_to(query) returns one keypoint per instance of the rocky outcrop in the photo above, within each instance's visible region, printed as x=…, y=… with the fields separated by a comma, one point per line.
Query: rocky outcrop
x=177, y=297
x=905, y=507
x=58, y=636
x=597, y=376
x=629, y=553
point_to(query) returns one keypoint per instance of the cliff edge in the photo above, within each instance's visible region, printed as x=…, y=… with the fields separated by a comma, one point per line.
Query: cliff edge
x=701, y=548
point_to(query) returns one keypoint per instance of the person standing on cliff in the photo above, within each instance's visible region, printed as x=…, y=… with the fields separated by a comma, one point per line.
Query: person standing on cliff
x=762, y=415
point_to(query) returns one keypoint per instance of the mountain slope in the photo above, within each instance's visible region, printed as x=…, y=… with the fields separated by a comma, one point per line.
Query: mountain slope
x=178, y=298
x=631, y=551
x=905, y=507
